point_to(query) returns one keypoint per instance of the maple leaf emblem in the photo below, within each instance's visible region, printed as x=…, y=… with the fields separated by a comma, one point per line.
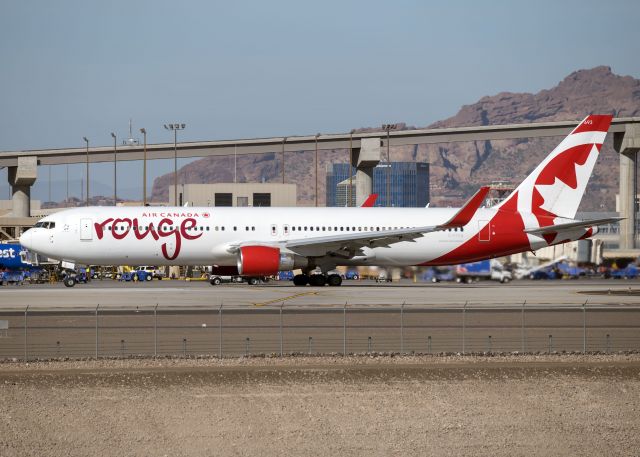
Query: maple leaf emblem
x=561, y=198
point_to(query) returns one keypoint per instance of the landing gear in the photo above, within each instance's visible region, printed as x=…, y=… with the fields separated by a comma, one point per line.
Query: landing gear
x=317, y=280
x=69, y=281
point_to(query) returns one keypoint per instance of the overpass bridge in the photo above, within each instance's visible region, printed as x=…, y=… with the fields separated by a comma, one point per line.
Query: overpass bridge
x=367, y=149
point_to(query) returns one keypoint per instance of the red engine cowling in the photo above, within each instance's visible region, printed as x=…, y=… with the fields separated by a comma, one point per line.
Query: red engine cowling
x=263, y=261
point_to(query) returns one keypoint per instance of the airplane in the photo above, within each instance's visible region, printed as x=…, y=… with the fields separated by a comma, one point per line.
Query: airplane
x=254, y=242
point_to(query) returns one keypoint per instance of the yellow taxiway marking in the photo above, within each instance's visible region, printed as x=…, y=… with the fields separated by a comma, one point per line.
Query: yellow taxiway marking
x=282, y=299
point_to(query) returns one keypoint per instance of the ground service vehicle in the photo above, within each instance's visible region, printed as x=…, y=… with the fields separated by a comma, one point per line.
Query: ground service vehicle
x=485, y=269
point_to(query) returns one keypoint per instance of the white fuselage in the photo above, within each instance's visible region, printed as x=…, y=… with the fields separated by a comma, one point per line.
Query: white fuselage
x=202, y=236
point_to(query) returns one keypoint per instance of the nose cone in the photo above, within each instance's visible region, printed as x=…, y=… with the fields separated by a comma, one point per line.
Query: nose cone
x=26, y=239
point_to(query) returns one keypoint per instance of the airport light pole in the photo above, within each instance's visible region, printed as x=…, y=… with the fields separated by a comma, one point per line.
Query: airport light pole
x=284, y=140
x=316, y=167
x=175, y=128
x=87, y=142
x=387, y=128
x=350, y=192
x=144, y=168
x=115, y=169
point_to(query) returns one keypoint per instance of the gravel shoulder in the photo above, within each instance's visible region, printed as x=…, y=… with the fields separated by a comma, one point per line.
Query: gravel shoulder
x=513, y=405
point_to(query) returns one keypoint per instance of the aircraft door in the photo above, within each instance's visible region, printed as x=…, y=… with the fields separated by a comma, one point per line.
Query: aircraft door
x=484, y=231
x=86, y=230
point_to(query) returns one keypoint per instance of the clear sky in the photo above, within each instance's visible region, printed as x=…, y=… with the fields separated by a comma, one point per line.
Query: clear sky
x=239, y=69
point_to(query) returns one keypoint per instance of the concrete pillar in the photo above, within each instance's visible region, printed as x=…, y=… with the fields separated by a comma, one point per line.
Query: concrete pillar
x=366, y=159
x=364, y=184
x=627, y=144
x=21, y=178
x=627, y=200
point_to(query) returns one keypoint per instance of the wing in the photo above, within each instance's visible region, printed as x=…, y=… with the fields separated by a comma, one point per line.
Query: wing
x=347, y=245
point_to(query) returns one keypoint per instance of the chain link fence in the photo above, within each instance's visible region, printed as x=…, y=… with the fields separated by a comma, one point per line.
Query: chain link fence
x=227, y=331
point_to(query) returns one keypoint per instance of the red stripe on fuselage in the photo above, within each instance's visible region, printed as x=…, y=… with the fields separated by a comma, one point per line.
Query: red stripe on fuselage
x=507, y=237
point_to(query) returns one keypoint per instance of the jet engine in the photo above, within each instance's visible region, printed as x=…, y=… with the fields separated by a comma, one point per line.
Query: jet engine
x=263, y=261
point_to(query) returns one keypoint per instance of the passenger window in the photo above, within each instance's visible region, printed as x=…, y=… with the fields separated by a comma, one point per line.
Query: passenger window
x=235, y=228
x=274, y=229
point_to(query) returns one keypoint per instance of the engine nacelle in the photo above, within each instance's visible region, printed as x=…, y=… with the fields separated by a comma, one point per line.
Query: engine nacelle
x=263, y=261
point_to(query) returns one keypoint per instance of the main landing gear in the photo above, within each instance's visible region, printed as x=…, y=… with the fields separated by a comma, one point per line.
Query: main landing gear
x=317, y=280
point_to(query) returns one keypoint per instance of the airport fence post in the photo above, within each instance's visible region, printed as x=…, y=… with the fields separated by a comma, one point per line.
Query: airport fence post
x=26, y=354
x=523, y=337
x=184, y=347
x=155, y=331
x=369, y=344
x=584, y=327
x=122, y=348
x=489, y=344
x=464, y=329
x=246, y=348
x=550, y=344
x=402, y=328
x=344, y=330
x=429, y=344
x=608, y=344
x=220, y=330
x=97, y=306
x=281, y=337
x=310, y=344
x=58, y=348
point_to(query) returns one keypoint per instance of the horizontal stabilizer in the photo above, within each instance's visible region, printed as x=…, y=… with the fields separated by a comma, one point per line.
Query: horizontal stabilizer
x=465, y=214
x=571, y=225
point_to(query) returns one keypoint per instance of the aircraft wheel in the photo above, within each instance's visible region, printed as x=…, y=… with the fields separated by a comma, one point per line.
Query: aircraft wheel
x=317, y=280
x=300, y=280
x=69, y=281
x=334, y=280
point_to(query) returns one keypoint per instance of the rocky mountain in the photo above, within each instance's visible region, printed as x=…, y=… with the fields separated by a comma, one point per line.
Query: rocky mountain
x=457, y=169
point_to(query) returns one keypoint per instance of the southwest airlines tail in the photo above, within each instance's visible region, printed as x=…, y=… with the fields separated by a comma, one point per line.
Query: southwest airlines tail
x=553, y=191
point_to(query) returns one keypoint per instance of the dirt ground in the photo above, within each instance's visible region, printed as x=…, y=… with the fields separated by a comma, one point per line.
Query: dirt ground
x=323, y=406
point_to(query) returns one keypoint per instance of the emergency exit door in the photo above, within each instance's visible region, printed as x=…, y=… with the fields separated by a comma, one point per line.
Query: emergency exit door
x=484, y=231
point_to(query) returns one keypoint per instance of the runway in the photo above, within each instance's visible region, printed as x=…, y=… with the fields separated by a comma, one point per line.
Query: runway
x=108, y=294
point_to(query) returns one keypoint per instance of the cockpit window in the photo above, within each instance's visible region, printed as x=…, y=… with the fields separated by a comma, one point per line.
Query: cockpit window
x=45, y=224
